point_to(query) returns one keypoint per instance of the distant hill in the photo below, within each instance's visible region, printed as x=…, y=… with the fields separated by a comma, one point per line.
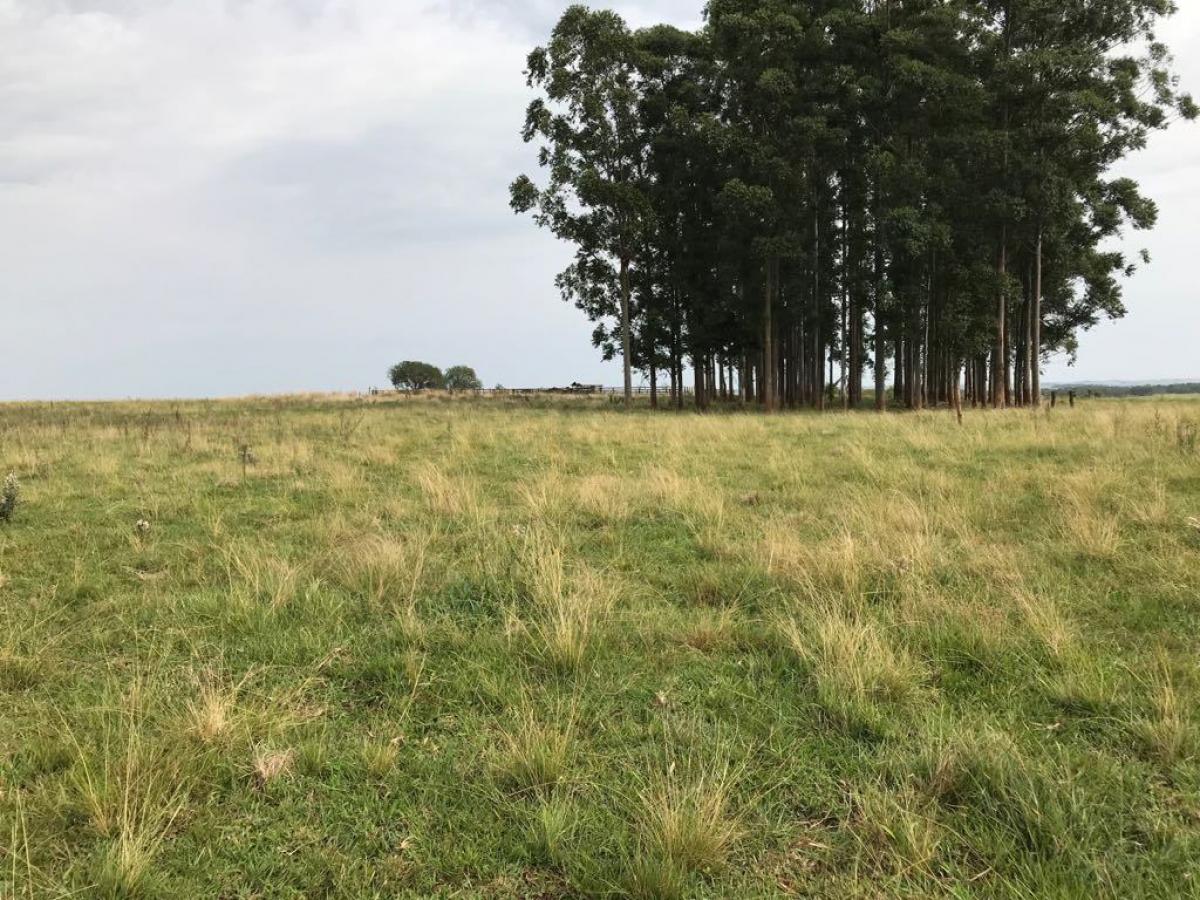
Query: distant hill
x=1127, y=388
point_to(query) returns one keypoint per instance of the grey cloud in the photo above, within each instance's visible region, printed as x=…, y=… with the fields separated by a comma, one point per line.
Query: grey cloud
x=233, y=196
x=392, y=186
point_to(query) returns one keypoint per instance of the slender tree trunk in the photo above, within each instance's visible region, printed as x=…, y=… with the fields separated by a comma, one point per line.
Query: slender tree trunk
x=880, y=342
x=1000, y=362
x=626, y=342
x=1026, y=345
x=880, y=368
x=956, y=393
x=653, y=384
x=770, y=398
x=1035, y=326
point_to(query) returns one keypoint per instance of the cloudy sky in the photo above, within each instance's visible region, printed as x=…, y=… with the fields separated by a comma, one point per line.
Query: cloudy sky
x=210, y=197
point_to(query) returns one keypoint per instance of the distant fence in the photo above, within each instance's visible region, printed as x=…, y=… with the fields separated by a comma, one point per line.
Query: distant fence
x=583, y=390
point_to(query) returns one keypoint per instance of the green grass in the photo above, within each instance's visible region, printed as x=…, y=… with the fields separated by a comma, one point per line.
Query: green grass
x=477, y=649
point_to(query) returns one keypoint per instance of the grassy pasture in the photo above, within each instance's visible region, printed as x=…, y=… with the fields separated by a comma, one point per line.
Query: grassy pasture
x=473, y=649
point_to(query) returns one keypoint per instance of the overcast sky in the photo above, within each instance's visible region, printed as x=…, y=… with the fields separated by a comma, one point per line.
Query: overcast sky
x=213, y=197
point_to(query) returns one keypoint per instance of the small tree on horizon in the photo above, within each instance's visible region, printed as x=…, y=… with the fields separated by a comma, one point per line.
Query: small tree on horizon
x=412, y=375
x=462, y=378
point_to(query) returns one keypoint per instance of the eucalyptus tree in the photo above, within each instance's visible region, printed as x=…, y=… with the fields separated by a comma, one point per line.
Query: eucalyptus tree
x=1084, y=84
x=591, y=145
x=761, y=45
x=685, y=158
x=803, y=181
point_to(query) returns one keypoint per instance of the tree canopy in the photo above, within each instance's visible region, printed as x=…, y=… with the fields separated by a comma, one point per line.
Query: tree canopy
x=462, y=378
x=922, y=188
x=411, y=375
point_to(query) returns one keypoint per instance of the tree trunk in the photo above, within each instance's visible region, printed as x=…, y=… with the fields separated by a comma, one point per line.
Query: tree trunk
x=1035, y=326
x=769, y=374
x=625, y=332
x=880, y=345
x=1000, y=352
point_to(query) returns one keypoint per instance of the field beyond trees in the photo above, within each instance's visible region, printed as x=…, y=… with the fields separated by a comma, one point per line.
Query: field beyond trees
x=315, y=648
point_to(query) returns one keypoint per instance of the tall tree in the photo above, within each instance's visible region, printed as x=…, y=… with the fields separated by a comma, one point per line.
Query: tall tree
x=592, y=148
x=803, y=181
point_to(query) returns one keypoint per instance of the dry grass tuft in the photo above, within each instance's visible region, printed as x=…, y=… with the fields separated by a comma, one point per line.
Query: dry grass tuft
x=535, y=756
x=1167, y=733
x=567, y=607
x=712, y=630
x=447, y=496
x=1092, y=530
x=686, y=823
x=213, y=712
x=607, y=498
x=897, y=830
x=838, y=566
x=379, y=758
x=384, y=571
x=132, y=795
x=851, y=660
x=256, y=576
x=552, y=829
x=1146, y=504
x=271, y=765
x=700, y=504
x=1048, y=623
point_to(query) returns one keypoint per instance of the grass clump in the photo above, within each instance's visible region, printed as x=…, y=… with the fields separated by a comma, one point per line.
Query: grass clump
x=132, y=793
x=854, y=667
x=552, y=828
x=897, y=830
x=534, y=756
x=687, y=824
x=1166, y=733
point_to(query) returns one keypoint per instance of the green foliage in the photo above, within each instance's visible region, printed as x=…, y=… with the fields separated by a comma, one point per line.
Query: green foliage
x=416, y=376
x=801, y=183
x=462, y=378
x=586, y=122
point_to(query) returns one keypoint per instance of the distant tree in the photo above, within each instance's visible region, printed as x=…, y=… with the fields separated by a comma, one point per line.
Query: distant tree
x=462, y=378
x=416, y=376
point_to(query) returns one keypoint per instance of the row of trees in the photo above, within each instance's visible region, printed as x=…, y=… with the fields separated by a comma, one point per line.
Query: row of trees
x=412, y=375
x=804, y=191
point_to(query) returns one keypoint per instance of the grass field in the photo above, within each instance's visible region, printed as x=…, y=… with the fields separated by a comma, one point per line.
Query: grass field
x=311, y=648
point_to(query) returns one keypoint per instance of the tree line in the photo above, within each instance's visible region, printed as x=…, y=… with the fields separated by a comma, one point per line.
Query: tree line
x=414, y=375
x=806, y=195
